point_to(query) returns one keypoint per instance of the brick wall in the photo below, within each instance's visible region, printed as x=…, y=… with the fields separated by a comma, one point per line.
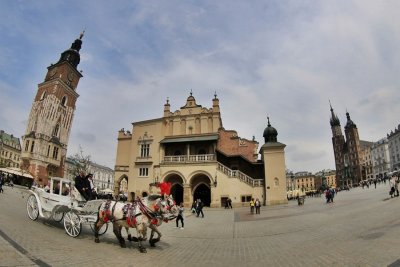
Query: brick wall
x=231, y=144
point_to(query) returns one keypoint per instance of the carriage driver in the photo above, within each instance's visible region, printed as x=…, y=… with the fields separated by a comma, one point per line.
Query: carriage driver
x=81, y=185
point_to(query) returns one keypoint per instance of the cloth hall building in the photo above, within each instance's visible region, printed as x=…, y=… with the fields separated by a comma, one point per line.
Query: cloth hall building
x=190, y=149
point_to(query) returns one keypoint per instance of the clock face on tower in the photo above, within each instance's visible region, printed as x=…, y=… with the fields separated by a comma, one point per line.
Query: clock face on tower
x=53, y=72
x=71, y=76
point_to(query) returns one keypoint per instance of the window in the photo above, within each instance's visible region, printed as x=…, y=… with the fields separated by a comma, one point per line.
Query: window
x=56, y=130
x=144, y=150
x=32, y=146
x=55, y=153
x=48, y=151
x=246, y=198
x=43, y=95
x=64, y=101
x=26, y=145
x=143, y=172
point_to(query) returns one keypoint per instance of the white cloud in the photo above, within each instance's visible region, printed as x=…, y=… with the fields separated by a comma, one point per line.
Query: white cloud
x=281, y=58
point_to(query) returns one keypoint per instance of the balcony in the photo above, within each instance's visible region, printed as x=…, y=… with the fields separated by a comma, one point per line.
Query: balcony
x=189, y=158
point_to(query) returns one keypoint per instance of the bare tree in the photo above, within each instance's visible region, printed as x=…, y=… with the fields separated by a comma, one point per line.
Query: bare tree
x=81, y=162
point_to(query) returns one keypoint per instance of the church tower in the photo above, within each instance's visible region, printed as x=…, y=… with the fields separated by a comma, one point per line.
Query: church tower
x=338, y=143
x=273, y=156
x=354, y=150
x=46, y=137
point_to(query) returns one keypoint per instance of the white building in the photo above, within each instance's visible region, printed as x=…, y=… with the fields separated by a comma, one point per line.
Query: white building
x=394, y=148
x=380, y=158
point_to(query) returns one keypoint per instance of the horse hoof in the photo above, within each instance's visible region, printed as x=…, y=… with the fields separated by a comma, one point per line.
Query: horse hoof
x=152, y=244
x=129, y=238
x=142, y=250
x=123, y=245
x=96, y=240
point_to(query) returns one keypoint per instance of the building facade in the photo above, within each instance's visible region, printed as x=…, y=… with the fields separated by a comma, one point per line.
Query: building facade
x=326, y=178
x=366, y=160
x=44, y=145
x=347, y=151
x=380, y=158
x=394, y=148
x=10, y=150
x=190, y=149
x=305, y=181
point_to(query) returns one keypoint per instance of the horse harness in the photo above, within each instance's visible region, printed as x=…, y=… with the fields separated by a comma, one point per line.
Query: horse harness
x=129, y=212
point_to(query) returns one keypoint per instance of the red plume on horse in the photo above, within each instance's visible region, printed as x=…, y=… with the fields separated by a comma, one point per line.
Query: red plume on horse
x=165, y=187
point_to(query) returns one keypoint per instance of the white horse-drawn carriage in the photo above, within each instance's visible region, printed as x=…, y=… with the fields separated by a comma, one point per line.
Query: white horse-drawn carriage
x=61, y=200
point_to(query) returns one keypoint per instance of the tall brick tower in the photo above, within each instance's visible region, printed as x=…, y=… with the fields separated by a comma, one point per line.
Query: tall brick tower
x=338, y=143
x=353, y=150
x=347, y=151
x=46, y=137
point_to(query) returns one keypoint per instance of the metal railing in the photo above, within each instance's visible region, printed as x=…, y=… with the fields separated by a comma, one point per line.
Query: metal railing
x=240, y=175
x=189, y=158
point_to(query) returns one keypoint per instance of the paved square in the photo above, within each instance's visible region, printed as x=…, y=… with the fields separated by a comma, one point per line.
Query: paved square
x=361, y=228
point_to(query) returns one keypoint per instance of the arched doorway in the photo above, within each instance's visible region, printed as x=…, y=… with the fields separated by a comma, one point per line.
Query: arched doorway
x=203, y=192
x=177, y=193
x=176, y=186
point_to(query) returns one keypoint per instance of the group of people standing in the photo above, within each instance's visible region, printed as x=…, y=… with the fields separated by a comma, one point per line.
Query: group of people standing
x=84, y=184
x=255, y=204
x=329, y=194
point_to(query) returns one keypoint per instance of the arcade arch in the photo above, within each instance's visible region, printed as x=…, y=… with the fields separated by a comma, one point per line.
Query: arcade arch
x=200, y=187
x=177, y=182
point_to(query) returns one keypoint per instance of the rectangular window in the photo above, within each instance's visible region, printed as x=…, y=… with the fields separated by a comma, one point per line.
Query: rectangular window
x=48, y=151
x=144, y=150
x=32, y=146
x=246, y=198
x=55, y=153
x=26, y=145
x=143, y=172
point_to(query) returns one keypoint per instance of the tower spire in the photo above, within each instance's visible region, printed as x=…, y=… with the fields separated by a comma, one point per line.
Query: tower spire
x=334, y=119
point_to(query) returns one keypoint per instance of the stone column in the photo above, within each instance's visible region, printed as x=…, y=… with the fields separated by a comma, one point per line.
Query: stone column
x=187, y=196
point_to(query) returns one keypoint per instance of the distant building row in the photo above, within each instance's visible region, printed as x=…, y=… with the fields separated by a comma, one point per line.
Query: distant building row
x=306, y=181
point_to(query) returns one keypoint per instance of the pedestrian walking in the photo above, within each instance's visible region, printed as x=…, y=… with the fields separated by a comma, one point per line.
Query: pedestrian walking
x=180, y=216
x=229, y=203
x=252, y=206
x=1, y=184
x=199, y=208
x=257, y=204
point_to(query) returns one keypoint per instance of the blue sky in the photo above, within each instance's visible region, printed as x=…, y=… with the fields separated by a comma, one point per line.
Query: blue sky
x=281, y=58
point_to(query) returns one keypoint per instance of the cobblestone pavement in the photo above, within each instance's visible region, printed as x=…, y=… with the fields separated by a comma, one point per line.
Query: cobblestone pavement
x=362, y=228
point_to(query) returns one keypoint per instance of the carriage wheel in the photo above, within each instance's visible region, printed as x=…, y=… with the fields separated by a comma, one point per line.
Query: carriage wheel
x=72, y=224
x=58, y=216
x=102, y=230
x=32, y=207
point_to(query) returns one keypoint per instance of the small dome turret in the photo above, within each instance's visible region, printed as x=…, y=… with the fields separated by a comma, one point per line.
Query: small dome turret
x=270, y=133
x=72, y=55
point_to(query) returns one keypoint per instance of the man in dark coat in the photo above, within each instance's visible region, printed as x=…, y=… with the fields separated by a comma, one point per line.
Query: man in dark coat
x=81, y=185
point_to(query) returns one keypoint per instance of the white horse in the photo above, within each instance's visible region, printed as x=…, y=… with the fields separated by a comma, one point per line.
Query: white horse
x=170, y=212
x=140, y=214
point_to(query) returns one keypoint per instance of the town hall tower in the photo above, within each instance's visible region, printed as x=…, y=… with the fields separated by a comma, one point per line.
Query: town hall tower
x=46, y=137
